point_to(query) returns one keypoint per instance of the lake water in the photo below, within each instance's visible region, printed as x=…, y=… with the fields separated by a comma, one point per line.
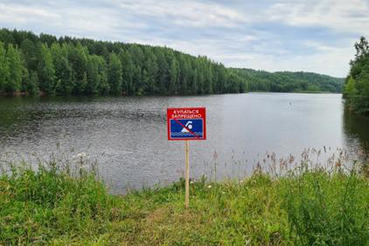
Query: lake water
x=127, y=135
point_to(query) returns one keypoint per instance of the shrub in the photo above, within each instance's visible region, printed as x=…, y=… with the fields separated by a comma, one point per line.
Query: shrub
x=50, y=203
x=328, y=208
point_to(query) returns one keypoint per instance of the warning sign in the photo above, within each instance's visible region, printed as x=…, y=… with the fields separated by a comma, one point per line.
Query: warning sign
x=186, y=123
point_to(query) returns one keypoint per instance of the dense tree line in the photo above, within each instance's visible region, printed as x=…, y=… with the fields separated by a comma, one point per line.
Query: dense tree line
x=290, y=81
x=32, y=64
x=356, y=91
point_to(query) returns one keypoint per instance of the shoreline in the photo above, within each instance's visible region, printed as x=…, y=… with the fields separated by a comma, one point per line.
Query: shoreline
x=64, y=205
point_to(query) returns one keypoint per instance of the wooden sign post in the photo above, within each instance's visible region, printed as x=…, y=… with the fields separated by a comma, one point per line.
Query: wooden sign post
x=187, y=198
x=186, y=124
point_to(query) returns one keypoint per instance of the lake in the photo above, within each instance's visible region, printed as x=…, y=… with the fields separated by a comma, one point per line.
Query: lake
x=128, y=138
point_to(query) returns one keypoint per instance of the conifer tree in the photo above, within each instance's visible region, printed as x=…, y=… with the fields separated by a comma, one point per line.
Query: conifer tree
x=174, y=76
x=14, y=81
x=46, y=70
x=115, y=74
x=4, y=68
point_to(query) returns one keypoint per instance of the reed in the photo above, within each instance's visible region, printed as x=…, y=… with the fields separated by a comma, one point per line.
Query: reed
x=292, y=201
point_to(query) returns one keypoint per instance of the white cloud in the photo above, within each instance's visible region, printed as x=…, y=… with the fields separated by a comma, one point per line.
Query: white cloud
x=78, y=21
x=330, y=60
x=23, y=15
x=186, y=13
x=311, y=35
x=340, y=15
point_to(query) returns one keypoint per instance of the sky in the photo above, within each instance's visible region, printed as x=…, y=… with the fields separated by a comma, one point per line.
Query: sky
x=273, y=35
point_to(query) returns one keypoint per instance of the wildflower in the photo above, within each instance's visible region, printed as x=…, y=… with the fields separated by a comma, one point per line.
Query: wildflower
x=82, y=155
x=209, y=186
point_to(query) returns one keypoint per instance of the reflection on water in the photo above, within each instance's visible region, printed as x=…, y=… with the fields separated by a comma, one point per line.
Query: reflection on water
x=356, y=130
x=127, y=135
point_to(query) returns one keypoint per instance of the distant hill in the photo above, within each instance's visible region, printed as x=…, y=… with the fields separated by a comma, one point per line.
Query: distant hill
x=290, y=81
x=30, y=64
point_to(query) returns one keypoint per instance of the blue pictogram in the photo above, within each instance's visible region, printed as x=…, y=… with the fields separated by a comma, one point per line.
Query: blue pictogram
x=186, y=128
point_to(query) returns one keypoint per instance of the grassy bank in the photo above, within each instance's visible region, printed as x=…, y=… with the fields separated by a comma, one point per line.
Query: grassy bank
x=61, y=205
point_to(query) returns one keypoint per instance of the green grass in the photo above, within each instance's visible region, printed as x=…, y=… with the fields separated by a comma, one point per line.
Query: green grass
x=60, y=205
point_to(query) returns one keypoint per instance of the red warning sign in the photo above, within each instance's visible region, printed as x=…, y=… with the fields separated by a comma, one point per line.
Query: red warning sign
x=186, y=123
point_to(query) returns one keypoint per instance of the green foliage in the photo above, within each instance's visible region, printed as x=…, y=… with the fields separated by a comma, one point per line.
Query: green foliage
x=63, y=70
x=115, y=74
x=350, y=88
x=328, y=210
x=356, y=91
x=11, y=69
x=46, y=70
x=290, y=81
x=32, y=84
x=128, y=70
x=174, y=77
x=66, y=204
x=82, y=66
x=151, y=68
x=78, y=59
x=14, y=81
x=30, y=54
x=52, y=204
x=4, y=67
x=93, y=78
x=103, y=87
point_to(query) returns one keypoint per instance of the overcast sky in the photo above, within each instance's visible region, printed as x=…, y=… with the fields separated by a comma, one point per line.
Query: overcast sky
x=273, y=35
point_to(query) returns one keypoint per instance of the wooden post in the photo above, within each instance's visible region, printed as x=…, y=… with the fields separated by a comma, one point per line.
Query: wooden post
x=187, y=198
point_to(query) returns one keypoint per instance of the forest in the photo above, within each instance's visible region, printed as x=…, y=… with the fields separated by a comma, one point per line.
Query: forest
x=356, y=89
x=43, y=64
x=290, y=81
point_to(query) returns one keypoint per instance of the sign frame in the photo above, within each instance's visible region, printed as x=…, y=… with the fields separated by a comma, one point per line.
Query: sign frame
x=189, y=113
